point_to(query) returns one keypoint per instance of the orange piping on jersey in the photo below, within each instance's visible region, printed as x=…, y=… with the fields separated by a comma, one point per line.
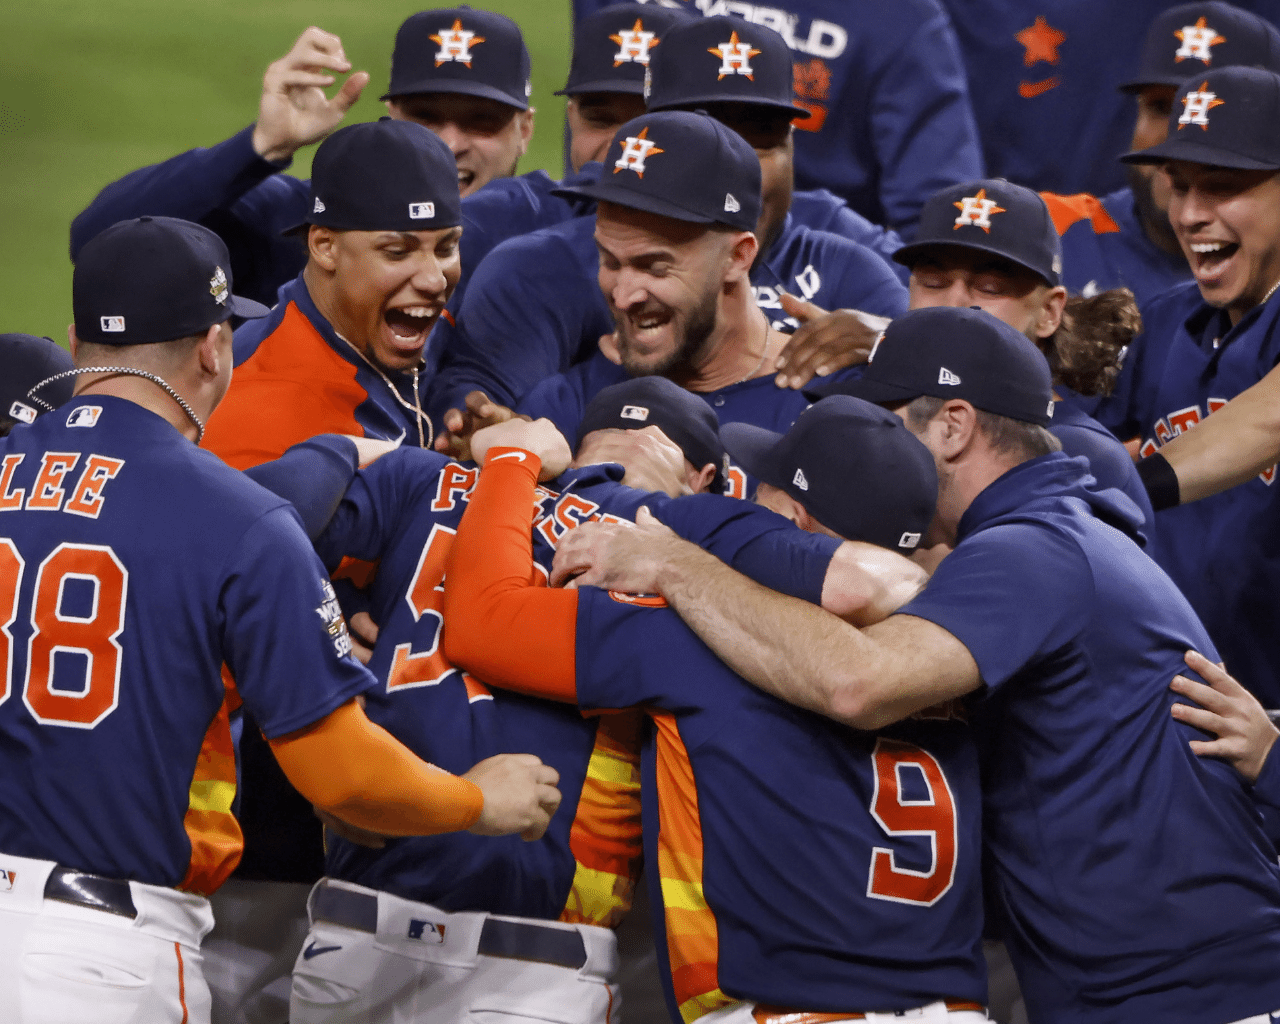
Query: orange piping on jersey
x=1068, y=210
x=216, y=839
x=605, y=837
x=502, y=627
x=182, y=984
x=693, y=939
x=292, y=388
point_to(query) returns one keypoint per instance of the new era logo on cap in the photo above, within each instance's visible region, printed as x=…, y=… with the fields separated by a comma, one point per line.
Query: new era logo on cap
x=909, y=540
x=634, y=412
x=1050, y=409
x=735, y=57
x=422, y=211
x=635, y=151
x=977, y=211
x=455, y=44
x=319, y=207
x=731, y=205
x=113, y=324
x=945, y=376
x=1196, y=106
x=634, y=45
x=799, y=480
x=1197, y=41
x=22, y=412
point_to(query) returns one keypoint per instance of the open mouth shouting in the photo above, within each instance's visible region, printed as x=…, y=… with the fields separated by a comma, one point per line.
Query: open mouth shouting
x=407, y=328
x=1211, y=260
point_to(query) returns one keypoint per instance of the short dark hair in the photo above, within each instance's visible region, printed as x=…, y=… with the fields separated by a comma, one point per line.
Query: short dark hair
x=1015, y=438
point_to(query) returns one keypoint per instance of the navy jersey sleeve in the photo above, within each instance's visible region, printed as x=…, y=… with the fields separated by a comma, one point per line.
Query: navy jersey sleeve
x=1266, y=796
x=529, y=312
x=825, y=211
x=981, y=591
x=379, y=497
x=285, y=640
x=312, y=476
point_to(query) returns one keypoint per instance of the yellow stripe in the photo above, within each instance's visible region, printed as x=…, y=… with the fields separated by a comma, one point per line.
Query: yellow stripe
x=692, y=1009
x=611, y=768
x=212, y=795
x=598, y=897
x=678, y=894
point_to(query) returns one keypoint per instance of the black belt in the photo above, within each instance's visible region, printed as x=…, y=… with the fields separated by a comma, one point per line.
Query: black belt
x=515, y=940
x=108, y=894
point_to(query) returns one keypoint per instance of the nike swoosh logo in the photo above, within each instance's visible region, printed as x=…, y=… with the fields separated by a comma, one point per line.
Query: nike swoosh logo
x=1030, y=90
x=314, y=950
x=509, y=455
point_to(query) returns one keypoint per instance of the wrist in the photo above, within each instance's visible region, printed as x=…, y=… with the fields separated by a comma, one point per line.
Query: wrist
x=273, y=151
x=1161, y=481
x=526, y=460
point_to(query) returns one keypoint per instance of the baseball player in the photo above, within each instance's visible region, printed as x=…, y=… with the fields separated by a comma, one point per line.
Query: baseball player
x=1204, y=343
x=1124, y=239
x=1072, y=636
x=517, y=289
x=26, y=361
x=122, y=674
x=788, y=879
x=891, y=121
x=461, y=72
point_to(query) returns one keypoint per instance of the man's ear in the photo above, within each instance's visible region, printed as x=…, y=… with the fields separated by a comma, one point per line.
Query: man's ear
x=699, y=479
x=525, y=117
x=72, y=340
x=322, y=244
x=1051, y=314
x=741, y=255
x=210, y=357
x=958, y=421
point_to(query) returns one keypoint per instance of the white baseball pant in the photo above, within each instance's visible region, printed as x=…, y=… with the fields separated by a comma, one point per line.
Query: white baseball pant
x=933, y=1013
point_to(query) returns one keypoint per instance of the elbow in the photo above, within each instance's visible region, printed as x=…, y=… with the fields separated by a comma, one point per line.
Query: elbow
x=852, y=701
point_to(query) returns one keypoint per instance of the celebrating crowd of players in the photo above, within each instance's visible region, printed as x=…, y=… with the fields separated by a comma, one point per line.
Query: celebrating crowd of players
x=362, y=683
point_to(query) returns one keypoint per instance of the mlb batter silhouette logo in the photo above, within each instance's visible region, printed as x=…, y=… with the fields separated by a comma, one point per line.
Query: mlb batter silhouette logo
x=634, y=45
x=735, y=57
x=976, y=211
x=1196, y=107
x=635, y=151
x=455, y=44
x=1196, y=42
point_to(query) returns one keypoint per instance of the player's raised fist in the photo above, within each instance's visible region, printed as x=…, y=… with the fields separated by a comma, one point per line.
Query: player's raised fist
x=294, y=110
x=538, y=436
x=479, y=411
x=520, y=795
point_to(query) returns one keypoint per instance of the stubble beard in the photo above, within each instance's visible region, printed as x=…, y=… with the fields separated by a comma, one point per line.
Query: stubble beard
x=690, y=349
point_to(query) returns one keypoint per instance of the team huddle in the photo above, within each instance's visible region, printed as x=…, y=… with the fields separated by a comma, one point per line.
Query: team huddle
x=858, y=563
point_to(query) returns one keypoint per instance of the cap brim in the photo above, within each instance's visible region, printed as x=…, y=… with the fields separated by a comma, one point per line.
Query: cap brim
x=1138, y=84
x=247, y=309
x=604, y=85
x=688, y=102
x=619, y=195
x=907, y=255
x=465, y=88
x=874, y=391
x=1197, y=153
x=750, y=447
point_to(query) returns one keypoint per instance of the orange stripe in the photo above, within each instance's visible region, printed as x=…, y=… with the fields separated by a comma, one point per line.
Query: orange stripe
x=1069, y=210
x=292, y=388
x=215, y=836
x=182, y=984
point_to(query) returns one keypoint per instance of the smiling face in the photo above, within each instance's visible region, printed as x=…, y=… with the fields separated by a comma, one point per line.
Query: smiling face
x=487, y=138
x=662, y=279
x=955, y=275
x=1228, y=224
x=384, y=290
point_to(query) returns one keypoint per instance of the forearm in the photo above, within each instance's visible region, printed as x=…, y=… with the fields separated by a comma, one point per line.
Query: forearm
x=360, y=773
x=866, y=584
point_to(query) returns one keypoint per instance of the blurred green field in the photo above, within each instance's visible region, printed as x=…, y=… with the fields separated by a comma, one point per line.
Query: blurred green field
x=91, y=90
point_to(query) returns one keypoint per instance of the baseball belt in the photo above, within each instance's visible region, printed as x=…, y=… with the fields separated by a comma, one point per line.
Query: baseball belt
x=763, y=1014
x=111, y=895
x=515, y=940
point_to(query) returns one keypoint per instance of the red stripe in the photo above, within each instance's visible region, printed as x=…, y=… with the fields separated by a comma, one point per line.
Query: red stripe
x=182, y=984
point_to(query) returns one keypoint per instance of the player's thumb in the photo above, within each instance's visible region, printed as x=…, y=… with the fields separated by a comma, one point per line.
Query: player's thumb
x=798, y=308
x=351, y=89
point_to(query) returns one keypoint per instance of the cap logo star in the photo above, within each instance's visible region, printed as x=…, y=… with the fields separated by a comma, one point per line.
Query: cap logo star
x=1196, y=106
x=634, y=45
x=976, y=211
x=1196, y=40
x=636, y=149
x=455, y=44
x=735, y=57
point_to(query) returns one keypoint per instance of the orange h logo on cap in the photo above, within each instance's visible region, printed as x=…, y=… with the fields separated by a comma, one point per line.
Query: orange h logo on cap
x=455, y=44
x=1196, y=42
x=735, y=57
x=636, y=149
x=634, y=45
x=976, y=211
x=1196, y=106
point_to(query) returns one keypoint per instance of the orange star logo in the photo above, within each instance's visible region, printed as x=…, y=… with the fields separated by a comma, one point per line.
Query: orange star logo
x=735, y=57
x=1196, y=41
x=1042, y=41
x=455, y=44
x=634, y=46
x=636, y=149
x=976, y=211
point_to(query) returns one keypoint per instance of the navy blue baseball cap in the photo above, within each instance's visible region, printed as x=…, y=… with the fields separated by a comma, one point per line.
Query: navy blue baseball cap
x=995, y=216
x=722, y=60
x=154, y=279
x=1190, y=39
x=384, y=175
x=948, y=352
x=613, y=47
x=461, y=50
x=1226, y=118
x=686, y=166
x=659, y=402
x=28, y=360
x=855, y=467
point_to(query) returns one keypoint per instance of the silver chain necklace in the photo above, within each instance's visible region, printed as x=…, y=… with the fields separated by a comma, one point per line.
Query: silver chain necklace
x=425, y=438
x=132, y=371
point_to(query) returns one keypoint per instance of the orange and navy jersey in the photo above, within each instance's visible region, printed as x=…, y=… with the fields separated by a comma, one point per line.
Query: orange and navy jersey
x=145, y=591
x=295, y=378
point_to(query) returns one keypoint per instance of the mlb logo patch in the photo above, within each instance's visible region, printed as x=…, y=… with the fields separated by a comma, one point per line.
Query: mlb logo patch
x=634, y=412
x=112, y=324
x=909, y=540
x=7, y=879
x=426, y=931
x=422, y=211
x=22, y=412
x=85, y=416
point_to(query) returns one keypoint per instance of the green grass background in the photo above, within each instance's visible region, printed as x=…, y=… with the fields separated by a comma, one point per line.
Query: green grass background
x=91, y=90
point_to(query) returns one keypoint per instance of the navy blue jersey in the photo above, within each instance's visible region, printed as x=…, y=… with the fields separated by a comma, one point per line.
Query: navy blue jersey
x=792, y=861
x=534, y=307
x=1189, y=362
x=146, y=589
x=1135, y=877
x=1109, y=460
x=885, y=85
x=404, y=511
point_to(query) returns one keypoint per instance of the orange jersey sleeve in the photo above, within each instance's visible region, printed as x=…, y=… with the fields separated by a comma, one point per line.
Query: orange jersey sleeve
x=500, y=626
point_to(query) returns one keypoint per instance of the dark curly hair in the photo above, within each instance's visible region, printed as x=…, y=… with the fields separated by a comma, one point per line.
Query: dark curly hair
x=1085, y=351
